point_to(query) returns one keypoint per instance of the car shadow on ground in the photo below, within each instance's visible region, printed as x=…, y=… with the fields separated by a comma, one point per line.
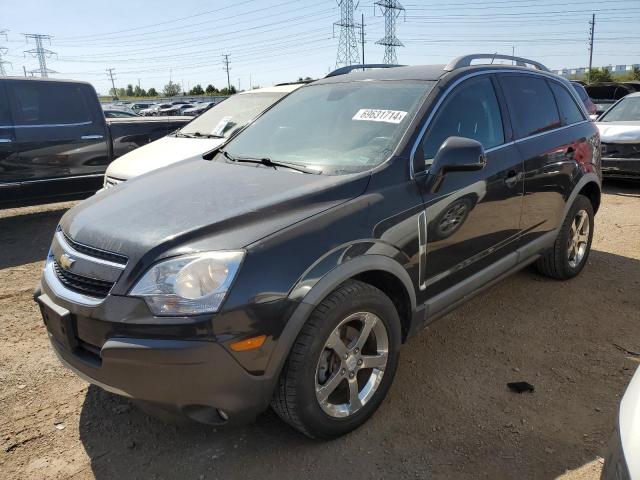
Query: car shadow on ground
x=26, y=236
x=627, y=188
x=449, y=413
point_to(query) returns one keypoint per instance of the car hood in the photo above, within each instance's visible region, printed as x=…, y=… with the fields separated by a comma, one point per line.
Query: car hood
x=619, y=132
x=158, y=154
x=208, y=205
x=629, y=425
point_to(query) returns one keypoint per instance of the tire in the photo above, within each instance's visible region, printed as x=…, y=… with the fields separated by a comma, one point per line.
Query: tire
x=558, y=262
x=297, y=399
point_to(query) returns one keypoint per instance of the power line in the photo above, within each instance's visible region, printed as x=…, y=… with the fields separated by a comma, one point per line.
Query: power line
x=225, y=67
x=347, y=42
x=40, y=52
x=391, y=9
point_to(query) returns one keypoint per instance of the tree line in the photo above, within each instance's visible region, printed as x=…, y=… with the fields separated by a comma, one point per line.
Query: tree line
x=171, y=89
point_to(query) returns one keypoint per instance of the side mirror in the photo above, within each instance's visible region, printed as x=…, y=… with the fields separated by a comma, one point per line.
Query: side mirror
x=456, y=154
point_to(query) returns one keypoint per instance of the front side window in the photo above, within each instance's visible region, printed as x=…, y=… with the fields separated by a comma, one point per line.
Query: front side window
x=531, y=104
x=471, y=111
x=224, y=119
x=626, y=110
x=335, y=128
x=569, y=110
x=49, y=103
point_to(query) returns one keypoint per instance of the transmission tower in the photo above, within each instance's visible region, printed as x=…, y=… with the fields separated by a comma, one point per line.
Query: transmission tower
x=3, y=51
x=348, y=40
x=391, y=9
x=40, y=52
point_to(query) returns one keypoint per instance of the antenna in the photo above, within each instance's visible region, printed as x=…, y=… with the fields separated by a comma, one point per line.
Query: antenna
x=391, y=10
x=348, y=41
x=40, y=52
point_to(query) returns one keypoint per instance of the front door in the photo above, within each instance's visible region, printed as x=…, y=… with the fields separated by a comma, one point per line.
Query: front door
x=473, y=218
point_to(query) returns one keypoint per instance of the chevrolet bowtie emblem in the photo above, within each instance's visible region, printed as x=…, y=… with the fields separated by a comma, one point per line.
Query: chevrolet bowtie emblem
x=66, y=261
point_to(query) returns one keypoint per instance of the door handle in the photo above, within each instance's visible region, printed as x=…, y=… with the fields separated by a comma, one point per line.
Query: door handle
x=512, y=178
x=92, y=137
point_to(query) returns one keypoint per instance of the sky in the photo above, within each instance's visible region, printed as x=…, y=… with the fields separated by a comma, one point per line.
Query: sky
x=274, y=41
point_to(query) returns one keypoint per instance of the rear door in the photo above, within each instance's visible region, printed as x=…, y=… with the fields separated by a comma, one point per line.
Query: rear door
x=551, y=140
x=61, y=139
x=474, y=217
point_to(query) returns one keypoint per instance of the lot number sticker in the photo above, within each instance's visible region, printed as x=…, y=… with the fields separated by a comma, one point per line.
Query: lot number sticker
x=222, y=124
x=373, y=115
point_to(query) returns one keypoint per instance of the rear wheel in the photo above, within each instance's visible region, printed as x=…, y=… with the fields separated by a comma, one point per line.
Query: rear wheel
x=570, y=252
x=342, y=363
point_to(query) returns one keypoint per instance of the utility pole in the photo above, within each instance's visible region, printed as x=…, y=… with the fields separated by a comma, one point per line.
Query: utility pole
x=226, y=69
x=113, y=84
x=347, y=42
x=591, y=32
x=362, y=38
x=391, y=9
x=40, y=52
x=3, y=51
x=24, y=69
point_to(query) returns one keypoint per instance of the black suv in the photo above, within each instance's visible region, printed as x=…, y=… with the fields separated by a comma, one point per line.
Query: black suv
x=287, y=267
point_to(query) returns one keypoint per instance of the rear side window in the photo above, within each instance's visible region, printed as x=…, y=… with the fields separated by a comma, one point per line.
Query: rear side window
x=531, y=104
x=5, y=115
x=569, y=110
x=471, y=111
x=582, y=93
x=49, y=103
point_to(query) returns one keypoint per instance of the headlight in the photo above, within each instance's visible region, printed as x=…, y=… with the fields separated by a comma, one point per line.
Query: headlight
x=190, y=284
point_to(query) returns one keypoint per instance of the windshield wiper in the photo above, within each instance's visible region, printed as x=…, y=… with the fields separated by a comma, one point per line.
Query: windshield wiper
x=267, y=162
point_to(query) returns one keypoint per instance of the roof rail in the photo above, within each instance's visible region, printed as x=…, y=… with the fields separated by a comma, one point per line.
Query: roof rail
x=465, y=61
x=351, y=68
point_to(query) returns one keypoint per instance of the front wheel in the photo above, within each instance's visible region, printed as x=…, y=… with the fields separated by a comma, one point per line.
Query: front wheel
x=342, y=363
x=570, y=251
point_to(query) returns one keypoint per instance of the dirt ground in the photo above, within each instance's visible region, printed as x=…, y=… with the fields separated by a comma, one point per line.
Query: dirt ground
x=448, y=415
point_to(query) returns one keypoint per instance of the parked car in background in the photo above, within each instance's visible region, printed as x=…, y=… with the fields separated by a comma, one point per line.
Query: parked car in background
x=175, y=110
x=153, y=110
x=584, y=96
x=111, y=113
x=204, y=133
x=136, y=107
x=620, y=136
x=605, y=94
x=622, y=461
x=198, y=109
x=55, y=142
x=287, y=266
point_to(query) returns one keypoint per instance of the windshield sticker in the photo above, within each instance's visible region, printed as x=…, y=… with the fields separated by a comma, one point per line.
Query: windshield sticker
x=220, y=127
x=373, y=115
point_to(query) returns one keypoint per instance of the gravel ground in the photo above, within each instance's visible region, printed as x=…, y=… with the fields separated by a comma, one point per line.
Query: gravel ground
x=448, y=415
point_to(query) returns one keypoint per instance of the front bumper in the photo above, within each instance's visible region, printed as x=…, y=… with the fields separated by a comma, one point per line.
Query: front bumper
x=197, y=377
x=627, y=168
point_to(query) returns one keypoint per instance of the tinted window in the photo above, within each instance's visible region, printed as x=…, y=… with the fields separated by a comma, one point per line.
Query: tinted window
x=569, y=110
x=5, y=117
x=582, y=93
x=46, y=103
x=531, y=104
x=471, y=111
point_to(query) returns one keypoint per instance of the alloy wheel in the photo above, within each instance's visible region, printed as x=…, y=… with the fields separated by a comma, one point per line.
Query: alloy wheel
x=578, y=238
x=351, y=365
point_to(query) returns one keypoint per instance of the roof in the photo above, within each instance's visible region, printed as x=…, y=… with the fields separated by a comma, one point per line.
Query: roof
x=419, y=72
x=40, y=79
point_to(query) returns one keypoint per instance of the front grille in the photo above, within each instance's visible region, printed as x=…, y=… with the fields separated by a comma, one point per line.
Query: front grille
x=82, y=284
x=111, y=182
x=96, y=252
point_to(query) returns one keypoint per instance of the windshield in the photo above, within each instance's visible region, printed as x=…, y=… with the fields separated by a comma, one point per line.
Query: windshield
x=336, y=128
x=228, y=116
x=626, y=110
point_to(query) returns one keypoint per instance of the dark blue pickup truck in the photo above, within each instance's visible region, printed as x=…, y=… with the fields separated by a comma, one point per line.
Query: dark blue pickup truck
x=55, y=143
